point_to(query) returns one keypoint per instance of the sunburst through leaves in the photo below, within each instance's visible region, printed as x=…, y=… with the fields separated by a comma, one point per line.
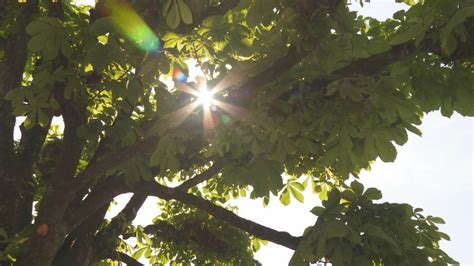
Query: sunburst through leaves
x=214, y=111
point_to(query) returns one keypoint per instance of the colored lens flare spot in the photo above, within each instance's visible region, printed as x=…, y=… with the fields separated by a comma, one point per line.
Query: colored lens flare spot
x=225, y=119
x=130, y=24
x=179, y=75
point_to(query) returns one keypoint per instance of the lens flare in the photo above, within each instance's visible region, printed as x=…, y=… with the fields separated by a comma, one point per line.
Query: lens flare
x=179, y=75
x=225, y=119
x=204, y=97
x=132, y=25
x=214, y=111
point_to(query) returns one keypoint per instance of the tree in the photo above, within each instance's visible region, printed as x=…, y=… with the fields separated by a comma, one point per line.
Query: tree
x=305, y=93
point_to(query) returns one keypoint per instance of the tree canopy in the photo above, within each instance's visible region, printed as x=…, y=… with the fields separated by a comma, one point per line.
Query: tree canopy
x=293, y=95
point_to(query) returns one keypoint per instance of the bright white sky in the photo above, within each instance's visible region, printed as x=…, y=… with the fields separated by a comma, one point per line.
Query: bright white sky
x=434, y=172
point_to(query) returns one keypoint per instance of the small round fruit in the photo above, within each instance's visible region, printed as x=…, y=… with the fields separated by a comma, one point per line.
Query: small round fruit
x=42, y=230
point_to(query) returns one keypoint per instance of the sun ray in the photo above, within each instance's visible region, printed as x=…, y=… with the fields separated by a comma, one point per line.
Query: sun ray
x=207, y=119
x=233, y=110
x=175, y=118
x=205, y=97
x=232, y=79
x=183, y=87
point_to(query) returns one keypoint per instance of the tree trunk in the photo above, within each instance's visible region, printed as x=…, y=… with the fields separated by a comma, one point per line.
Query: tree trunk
x=49, y=230
x=16, y=202
x=15, y=198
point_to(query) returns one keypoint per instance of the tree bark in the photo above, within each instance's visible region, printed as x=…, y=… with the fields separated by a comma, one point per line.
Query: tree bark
x=16, y=201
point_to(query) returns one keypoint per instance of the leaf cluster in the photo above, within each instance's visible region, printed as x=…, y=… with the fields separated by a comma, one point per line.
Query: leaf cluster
x=352, y=229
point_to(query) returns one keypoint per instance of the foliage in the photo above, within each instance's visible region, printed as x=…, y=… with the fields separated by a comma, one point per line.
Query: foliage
x=306, y=93
x=353, y=230
x=202, y=240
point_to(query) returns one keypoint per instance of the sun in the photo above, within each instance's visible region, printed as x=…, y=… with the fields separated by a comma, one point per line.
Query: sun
x=204, y=96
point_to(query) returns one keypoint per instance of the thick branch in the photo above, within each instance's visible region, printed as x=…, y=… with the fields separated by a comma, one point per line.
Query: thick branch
x=258, y=230
x=31, y=142
x=77, y=248
x=72, y=145
x=111, y=160
x=117, y=187
x=374, y=63
x=129, y=212
x=113, y=187
x=250, y=84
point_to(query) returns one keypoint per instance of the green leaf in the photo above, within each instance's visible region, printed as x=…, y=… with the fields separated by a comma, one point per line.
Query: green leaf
x=145, y=171
x=336, y=229
x=373, y=194
x=21, y=110
x=37, y=42
x=171, y=40
x=298, y=186
x=285, y=197
x=166, y=7
x=408, y=34
x=387, y=150
x=172, y=163
x=66, y=48
x=185, y=11
x=376, y=231
x=334, y=198
x=132, y=175
x=444, y=236
x=318, y=210
x=448, y=40
x=296, y=193
x=43, y=119
x=139, y=253
x=321, y=248
x=357, y=187
x=304, y=252
x=437, y=220
x=172, y=18
x=30, y=120
x=37, y=26
x=323, y=193
x=264, y=176
x=348, y=195
x=414, y=130
x=447, y=108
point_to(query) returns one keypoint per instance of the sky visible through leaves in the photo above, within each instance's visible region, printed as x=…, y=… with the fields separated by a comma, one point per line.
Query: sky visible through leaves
x=434, y=172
